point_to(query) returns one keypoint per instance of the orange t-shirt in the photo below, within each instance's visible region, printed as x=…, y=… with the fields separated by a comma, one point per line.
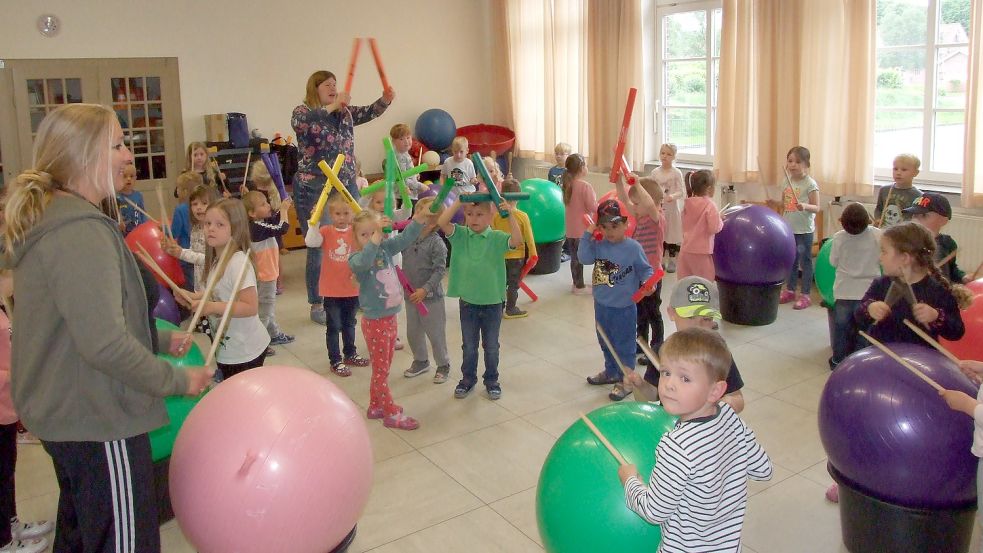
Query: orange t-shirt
x=337, y=280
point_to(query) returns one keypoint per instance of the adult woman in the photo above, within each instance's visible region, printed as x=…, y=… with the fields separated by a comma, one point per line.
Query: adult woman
x=86, y=382
x=325, y=127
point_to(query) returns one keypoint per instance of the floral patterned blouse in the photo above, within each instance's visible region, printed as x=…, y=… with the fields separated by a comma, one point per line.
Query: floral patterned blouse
x=324, y=135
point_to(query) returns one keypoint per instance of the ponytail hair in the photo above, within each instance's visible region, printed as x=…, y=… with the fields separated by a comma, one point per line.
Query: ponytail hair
x=574, y=165
x=917, y=241
x=71, y=150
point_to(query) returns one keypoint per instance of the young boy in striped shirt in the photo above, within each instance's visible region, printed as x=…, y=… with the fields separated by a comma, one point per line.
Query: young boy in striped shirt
x=697, y=491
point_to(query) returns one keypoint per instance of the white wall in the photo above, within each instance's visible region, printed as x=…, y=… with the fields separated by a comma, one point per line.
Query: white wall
x=254, y=57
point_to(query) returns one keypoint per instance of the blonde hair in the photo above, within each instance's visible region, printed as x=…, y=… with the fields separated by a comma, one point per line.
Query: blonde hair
x=494, y=171
x=252, y=200
x=910, y=159
x=211, y=177
x=562, y=148
x=235, y=212
x=700, y=346
x=72, y=149
x=311, y=98
x=652, y=187
x=669, y=146
x=189, y=180
x=459, y=143
x=399, y=130
x=263, y=181
x=366, y=216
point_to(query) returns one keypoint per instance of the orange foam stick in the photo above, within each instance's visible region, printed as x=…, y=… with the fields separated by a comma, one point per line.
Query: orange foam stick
x=351, y=65
x=619, y=149
x=378, y=63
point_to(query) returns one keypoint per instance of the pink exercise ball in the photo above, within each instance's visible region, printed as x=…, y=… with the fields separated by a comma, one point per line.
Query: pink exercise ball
x=274, y=459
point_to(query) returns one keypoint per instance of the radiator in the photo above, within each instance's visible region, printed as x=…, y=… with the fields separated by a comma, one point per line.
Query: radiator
x=967, y=230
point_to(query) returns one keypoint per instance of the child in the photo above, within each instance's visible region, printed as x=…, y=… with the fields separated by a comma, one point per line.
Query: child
x=477, y=277
x=854, y=254
x=380, y=295
x=514, y=259
x=670, y=179
x=892, y=200
x=960, y=401
x=402, y=140
x=645, y=203
x=425, y=263
x=181, y=220
x=199, y=200
x=620, y=268
x=907, y=251
x=360, y=180
x=377, y=204
x=802, y=192
x=701, y=221
x=579, y=200
x=337, y=284
x=264, y=227
x=132, y=218
x=932, y=211
x=561, y=151
x=697, y=491
x=460, y=168
x=694, y=304
x=197, y=161
x=263, y=181
x=245, y=342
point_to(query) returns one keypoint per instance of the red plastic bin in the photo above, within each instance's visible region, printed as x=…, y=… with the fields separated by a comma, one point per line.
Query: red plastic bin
x=485, y=138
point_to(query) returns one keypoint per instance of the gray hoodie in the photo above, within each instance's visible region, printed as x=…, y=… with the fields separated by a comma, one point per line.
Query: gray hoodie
x=82, y=365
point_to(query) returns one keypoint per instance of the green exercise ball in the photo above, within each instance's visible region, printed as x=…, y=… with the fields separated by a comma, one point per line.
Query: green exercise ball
x=545, y=208
x=178, y=407
x=580, y=502
x=825, y=273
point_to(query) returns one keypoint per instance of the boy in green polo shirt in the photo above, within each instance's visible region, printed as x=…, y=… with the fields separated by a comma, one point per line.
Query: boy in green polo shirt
x=477, y=277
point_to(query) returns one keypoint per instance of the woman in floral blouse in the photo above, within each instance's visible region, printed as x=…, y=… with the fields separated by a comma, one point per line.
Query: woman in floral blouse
x=325, y=127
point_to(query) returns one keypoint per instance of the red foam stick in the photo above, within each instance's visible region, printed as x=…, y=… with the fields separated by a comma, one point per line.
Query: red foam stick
x=619, y=149
x=409, y=290
x=626, y=171
x=530, y=263
x=356, y=46
x=589, y=221
x=378, y=63
x=648, y=285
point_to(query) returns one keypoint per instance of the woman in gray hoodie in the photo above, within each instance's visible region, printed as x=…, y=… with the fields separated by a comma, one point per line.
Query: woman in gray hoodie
x=84, y=378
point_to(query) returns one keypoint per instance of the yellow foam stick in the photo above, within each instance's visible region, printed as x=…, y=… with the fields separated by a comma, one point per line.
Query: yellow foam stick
x=337, y=185
x=319, y=206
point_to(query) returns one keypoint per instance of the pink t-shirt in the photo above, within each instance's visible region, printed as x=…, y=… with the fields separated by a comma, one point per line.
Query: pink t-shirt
x=701, y=221
x=7, y=413
x=651, y=234
x=582, y=200
x=337, y=280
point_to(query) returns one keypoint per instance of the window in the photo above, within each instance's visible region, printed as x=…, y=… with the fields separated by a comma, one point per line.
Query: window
x=688, y=63
x=140, y=112
x=922, y=59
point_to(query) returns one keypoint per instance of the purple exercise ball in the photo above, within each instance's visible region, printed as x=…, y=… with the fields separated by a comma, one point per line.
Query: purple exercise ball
x=166, y=307
x=890, y=434
x=756, y=246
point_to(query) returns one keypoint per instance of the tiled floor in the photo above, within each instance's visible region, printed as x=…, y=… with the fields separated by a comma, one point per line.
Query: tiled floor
x=465, y=481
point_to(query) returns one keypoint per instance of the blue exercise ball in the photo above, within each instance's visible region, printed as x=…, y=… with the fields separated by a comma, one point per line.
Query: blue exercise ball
x=436, y=128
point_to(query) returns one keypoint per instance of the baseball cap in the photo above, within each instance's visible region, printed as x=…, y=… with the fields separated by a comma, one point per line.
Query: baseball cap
x=695, y=297
x=931, y=201
x=609, y=212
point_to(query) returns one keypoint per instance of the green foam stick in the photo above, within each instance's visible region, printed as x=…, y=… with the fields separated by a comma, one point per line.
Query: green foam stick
x=445, y=189
x=479, y=164
x=372, y=188
x=480, y=198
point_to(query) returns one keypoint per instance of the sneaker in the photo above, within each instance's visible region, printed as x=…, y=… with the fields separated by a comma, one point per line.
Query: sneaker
x=619, y=392
x=494, y=390
x=281, y=339
x=30, y=546
x=270, y=352
x=585, y=291
x=357, y=361
x=399, y=344
x=374, y=413
x=463, y=389
x=30, y=530
x=833, y=493
x=318, y=315
x=802, y=303
x=786, y=297
x=440, y=376
x=515, y=313
x=602, y=379
x=341, y=369
x=401, y=422
x=26, y=438
x=671, y=265
x=416, y=369
x=564, y=258
x=642, y=360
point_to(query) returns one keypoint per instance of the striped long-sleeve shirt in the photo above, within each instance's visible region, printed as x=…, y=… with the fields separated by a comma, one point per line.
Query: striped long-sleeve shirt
x=698, y=487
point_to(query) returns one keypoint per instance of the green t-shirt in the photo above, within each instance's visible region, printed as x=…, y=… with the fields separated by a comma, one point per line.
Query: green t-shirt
x=477, y=273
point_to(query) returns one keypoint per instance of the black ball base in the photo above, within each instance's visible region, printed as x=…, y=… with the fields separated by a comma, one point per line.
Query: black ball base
x=749, y=304
x=549, y=258
x=870, y=525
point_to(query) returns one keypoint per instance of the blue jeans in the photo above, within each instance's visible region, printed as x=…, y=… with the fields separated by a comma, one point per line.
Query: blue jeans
x=619, y=324
x=803, y=257
x=845, y=339
x=304, y=199
x=340, y=322
x=484, y=322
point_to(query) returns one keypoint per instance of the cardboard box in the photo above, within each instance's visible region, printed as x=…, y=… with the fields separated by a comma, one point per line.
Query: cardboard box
x=217, y=127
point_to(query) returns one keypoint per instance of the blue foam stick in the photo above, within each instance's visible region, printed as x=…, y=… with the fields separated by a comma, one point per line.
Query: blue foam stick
x=479, y=165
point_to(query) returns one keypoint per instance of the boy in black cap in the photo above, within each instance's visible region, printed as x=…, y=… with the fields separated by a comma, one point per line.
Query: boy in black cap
x=932, y=211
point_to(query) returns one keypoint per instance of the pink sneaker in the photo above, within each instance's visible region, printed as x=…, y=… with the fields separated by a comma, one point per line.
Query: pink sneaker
x=802, y=302
x=401, y=422
x=833, y=493
x=786, y=297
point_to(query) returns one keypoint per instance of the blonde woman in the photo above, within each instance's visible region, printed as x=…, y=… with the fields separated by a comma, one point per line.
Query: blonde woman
x=87, y=383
